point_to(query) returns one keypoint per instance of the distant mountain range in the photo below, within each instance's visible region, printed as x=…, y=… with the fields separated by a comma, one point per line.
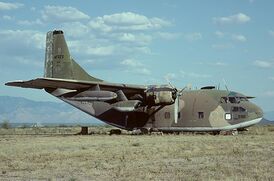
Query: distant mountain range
x=21, y=110
x=266, y=122
x=269, y=115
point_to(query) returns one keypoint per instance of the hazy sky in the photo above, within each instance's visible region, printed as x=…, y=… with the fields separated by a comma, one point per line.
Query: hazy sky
x=145, y=42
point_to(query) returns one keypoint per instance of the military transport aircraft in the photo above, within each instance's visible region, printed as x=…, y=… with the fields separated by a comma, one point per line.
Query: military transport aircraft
x=150, y=108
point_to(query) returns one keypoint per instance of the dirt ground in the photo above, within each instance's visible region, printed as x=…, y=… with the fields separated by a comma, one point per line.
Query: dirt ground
x=56, y=154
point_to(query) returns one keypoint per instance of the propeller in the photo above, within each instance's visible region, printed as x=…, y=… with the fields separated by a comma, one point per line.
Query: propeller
x=225, y=84
x=177, y=102
x=176, y=95
x=176, y=107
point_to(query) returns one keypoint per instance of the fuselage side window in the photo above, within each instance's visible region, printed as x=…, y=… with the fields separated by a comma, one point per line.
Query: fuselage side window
x=167, y=115
x=200, y=115
x=235, y=109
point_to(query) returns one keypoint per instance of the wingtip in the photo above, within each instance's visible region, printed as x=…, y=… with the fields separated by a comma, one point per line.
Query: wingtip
x=13, y=82
x=8, y=83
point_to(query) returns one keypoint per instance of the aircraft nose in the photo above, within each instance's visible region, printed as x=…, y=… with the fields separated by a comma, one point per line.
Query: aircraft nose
x=259, y=112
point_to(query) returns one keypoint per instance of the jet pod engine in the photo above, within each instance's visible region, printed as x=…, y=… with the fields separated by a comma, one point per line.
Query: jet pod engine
x=91, y=95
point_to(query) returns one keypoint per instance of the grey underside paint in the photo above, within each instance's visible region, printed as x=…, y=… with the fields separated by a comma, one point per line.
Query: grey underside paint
x=201, y=129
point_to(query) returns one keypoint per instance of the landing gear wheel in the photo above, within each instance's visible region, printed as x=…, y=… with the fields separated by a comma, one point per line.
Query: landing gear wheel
x=115, y=131
x=84, y=131
x=145, y=130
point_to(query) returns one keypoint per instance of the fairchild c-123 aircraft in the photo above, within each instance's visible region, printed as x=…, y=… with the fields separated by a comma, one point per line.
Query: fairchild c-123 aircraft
x=148, y=108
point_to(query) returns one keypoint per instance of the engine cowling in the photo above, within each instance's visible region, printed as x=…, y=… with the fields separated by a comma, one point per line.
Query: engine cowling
x=160, y=96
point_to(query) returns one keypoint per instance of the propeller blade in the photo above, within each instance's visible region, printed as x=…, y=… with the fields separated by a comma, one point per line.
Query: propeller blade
x=169, y=83
x=225, y=85
x=176, y=107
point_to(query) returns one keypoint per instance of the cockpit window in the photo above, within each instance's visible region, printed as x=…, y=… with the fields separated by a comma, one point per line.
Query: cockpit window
x=243, y=99
x=224, y=100
x=233, y=100
x=238, y=109
x=241, y=109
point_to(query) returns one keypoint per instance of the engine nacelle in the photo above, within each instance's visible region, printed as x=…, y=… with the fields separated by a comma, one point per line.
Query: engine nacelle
x=160, y=96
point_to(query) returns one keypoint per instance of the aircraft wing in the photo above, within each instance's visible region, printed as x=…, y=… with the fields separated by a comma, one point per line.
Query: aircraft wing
x=47, y=83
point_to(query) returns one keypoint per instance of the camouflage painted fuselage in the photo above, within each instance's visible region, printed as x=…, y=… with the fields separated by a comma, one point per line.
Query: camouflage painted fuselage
x=159, y=107
x=199, y=110
x=204, y=110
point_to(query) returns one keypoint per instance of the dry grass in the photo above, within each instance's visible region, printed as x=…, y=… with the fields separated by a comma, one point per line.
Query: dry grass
x=248, y=156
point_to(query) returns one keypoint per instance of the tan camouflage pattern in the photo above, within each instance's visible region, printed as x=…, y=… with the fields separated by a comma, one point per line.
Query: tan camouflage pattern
x=137, y=106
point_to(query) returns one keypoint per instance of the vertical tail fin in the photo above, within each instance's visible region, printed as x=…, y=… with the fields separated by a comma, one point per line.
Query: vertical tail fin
x=59, y=63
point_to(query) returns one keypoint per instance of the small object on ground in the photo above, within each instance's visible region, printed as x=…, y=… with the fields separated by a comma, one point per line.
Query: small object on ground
x=115, y=131
x=230, y=132
x=84, y=131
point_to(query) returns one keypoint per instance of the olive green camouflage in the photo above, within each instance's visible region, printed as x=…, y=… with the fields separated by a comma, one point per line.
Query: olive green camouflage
x=152, y=108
